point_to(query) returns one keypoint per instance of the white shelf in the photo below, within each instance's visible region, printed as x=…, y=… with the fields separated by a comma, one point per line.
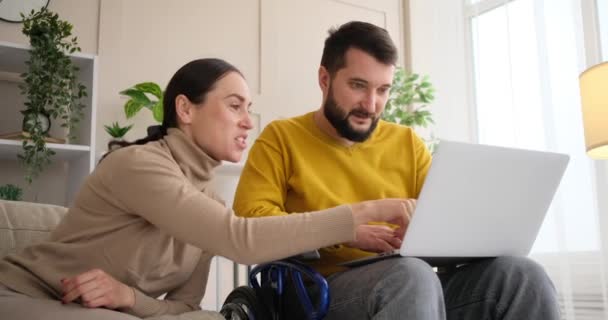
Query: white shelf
x=13, y=57
x=58, y=183
x=9, y=149
x=10, y=76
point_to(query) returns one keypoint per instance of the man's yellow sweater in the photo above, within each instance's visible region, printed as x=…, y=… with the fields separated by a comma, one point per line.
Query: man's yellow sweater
x=295, y=167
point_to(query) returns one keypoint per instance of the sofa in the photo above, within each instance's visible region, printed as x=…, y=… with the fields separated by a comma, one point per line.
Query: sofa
x=26, y=223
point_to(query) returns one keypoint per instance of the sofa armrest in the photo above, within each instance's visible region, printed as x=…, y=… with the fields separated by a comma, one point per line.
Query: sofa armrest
x=26, y=223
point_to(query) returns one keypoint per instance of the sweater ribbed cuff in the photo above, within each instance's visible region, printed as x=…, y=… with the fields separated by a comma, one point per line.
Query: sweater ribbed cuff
x=144, y=306
x=338, y=226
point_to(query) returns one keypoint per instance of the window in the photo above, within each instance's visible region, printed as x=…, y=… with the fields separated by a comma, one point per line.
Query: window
x=527, y=55
x=602, y=15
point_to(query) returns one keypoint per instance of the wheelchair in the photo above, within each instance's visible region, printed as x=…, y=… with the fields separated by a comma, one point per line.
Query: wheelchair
x=264, y=300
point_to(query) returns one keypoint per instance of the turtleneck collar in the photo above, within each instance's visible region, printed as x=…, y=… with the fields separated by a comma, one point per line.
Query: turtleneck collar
x=192, y=160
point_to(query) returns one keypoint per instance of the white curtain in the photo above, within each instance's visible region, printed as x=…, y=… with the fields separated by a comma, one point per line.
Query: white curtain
x=527, y=55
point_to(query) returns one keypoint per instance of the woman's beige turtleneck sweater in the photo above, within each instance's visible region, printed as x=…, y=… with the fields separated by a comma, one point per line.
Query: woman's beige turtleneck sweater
x=146, y=217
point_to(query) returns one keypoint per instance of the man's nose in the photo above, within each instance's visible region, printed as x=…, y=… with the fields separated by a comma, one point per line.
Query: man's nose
x=369, y=104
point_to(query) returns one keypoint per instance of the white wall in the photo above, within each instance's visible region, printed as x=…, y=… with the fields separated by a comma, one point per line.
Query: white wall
x=275, y=43
x=438, y=50
x=148, y=40
x=141, y=40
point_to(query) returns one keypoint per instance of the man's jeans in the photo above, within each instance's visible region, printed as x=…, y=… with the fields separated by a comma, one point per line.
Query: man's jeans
x=509, y=288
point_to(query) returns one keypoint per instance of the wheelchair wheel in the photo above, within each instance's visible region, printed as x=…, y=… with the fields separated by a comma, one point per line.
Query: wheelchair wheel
x=244, y=304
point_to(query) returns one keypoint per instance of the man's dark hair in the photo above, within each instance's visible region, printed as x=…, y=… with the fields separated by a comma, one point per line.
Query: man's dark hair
x=361, y=35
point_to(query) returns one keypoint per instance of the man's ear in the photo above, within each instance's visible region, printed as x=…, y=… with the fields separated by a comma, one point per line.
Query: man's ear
x=324, y=79
x=183, y=108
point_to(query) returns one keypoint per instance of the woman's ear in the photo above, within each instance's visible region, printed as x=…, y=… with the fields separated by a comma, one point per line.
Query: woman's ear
x=183, y=108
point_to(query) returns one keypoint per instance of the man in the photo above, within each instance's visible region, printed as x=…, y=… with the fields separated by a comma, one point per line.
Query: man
x=343, y=153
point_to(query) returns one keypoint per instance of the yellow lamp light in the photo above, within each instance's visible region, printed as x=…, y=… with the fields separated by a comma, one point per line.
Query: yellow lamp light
x=594, y=100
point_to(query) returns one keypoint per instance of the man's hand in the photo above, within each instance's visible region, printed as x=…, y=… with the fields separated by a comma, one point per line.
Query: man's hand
x=375, y=238
x=394, y=211
x=96, y=288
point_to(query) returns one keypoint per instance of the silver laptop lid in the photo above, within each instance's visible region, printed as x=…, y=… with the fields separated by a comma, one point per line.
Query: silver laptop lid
x=481, y=201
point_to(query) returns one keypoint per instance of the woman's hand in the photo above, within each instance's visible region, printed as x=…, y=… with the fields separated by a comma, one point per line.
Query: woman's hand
x=393, y=211
x=375, y=238
x=96, y=288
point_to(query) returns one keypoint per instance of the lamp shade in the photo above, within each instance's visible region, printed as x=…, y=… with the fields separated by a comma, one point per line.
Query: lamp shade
x=594, y=100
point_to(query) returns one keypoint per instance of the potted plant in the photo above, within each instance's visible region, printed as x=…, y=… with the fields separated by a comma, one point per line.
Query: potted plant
x=145, y=94
x=116, y=131
x=10, y=192
x=50, y=88
x=408, y=102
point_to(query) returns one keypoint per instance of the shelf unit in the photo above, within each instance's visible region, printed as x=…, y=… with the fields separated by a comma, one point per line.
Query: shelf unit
x=73, y=160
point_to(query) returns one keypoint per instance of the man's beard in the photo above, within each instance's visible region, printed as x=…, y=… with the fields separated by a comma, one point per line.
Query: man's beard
x=339, y=120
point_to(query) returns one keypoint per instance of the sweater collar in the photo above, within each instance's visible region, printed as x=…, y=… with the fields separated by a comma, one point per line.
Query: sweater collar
x=192, y=160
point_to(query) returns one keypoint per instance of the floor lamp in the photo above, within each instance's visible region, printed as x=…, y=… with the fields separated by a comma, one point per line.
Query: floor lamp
x=594, y=100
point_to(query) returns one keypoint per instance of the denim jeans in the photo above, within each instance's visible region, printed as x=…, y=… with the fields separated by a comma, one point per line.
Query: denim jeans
x=506, y=288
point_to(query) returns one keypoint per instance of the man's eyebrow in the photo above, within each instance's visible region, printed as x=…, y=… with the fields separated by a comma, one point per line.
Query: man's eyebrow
x=360, y=80
x=355, y=79
x=238, y=96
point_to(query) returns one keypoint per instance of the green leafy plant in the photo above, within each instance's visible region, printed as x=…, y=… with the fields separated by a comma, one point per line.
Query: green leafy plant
x=409, y=96
x=408, y=101
x=50, y=86
x=10, y=192
x=144, y=95
x=116, y=131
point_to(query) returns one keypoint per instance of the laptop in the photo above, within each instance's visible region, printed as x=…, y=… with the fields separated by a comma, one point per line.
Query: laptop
x=479, y=201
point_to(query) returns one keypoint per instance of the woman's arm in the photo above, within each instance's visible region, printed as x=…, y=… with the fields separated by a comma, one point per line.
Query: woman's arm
x=95, y=288
x=179, y=300
x=153, y=187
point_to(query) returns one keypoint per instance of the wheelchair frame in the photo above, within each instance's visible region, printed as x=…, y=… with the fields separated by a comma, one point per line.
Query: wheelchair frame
x=273, y=275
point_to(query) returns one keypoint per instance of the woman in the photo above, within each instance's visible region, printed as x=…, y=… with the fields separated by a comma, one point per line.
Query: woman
x=145, y=223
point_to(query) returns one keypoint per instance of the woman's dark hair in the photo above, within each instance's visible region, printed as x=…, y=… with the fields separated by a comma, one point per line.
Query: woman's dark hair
x=364, y=36
x=194, y=80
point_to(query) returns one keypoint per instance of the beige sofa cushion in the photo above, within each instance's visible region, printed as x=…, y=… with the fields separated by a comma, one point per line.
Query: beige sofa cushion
x=26, y=223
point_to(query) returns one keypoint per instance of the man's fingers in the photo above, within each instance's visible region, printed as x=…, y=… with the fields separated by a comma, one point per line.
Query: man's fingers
x=385, y=233
x=394, y=242
x=381, y=228
x=385, y=246
x=400, y=233
x=409, y=206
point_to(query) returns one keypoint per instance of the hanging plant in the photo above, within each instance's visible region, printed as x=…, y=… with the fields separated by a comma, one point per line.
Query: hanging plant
x=50, y=88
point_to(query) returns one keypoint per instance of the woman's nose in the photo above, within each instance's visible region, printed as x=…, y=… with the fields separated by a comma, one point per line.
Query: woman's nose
x=246, y=122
